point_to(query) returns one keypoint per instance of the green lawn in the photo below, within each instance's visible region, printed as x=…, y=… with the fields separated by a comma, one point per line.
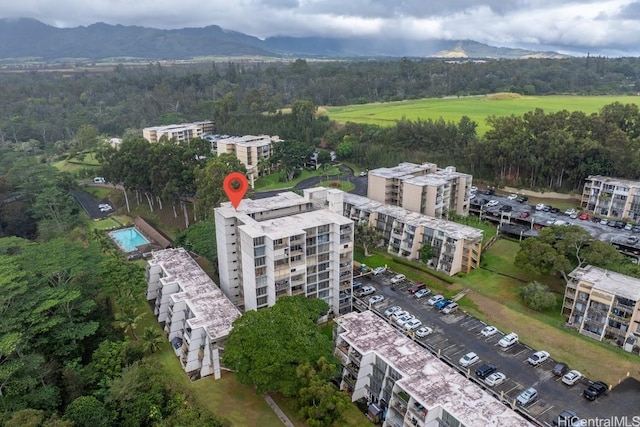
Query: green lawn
x=476, y=108
x=103, y=224
x=274, y=182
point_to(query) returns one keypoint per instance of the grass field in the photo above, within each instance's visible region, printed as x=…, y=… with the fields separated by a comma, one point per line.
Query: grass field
x=477, y=108
x=340, y=185
x=273, y=181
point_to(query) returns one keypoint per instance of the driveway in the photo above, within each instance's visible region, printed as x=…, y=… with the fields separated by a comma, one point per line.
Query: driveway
x=89, y=205
x=360, y=182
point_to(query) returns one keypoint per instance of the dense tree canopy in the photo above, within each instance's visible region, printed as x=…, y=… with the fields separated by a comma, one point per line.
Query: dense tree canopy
x=265, y=347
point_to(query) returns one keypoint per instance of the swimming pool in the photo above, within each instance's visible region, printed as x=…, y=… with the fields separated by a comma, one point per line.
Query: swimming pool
x=128, y=239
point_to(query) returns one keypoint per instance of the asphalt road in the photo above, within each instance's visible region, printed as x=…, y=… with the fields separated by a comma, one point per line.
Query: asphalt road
x=457, y=334
x=89, y=205
x=360, y=182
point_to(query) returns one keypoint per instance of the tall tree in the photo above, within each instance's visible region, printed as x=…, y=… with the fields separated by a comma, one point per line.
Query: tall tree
x=368, y=237
x=209, y=191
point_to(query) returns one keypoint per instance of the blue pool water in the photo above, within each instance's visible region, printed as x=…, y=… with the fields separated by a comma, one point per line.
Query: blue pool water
x=128, y=238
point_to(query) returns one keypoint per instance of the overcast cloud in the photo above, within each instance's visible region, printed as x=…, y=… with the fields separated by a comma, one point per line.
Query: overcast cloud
x=600, y=26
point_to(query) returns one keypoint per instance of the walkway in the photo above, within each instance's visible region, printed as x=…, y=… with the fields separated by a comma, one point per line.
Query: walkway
x=285, y=420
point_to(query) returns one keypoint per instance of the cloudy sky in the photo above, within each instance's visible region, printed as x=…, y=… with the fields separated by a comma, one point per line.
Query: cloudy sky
x=598, y=26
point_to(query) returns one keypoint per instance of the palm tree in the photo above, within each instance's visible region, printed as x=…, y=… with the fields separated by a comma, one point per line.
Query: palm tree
x=152, y=339
x=128, y=318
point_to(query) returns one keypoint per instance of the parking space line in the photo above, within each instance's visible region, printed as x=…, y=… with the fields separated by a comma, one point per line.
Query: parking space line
x=513, y=388
x=451, y=346
x=475, y=327
x=521, y=351
x=546, y=410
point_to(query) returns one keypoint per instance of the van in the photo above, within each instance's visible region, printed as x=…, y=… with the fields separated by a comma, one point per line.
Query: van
x=451, y=308
x=98, y=180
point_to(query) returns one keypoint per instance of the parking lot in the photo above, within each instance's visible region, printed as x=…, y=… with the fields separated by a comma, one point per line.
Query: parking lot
x=454, y=335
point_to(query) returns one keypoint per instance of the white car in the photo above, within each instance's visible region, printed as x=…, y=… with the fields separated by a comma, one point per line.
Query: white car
x=473, y=189
x=538, y=358
x=495, y=379
x=398, y=314
x=508, y=340
x=367, y=290
x=492, y=203
x=421, y=293
x=389, y=311
x=412, y=324
x=468, y=359
x=572, y=377
x=560, y=222
x=489, y=331
x=540, y=206
x=423, y=331
x=376, y=299
x=378, y=270
x=401, y=321
x=472, y=196
x=398, y=278
x=569, y=212
x=512, y=196
x=434, y=299
x=105, y=208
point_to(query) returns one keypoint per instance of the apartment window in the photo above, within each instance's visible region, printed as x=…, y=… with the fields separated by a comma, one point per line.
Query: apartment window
x=323, y=229
x=323, y=276
x=262, y=301
x=323, y=257
x=323, y=238
x=323, y=266
x=323, y=285
x=323, y=294
x=258, y=251
x=261, y=291
x=258, y=241
x=260, y=262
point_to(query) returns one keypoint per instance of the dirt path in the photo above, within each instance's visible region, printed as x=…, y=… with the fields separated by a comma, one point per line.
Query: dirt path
x=581, y=353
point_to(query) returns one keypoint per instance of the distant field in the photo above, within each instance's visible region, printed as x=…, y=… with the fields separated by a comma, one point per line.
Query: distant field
x=477, y=108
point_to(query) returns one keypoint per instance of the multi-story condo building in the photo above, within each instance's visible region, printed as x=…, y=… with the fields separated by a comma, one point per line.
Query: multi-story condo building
x=454, y=247
x=613, y=197
x=181, y=133
x=196, y=315
x=603, y=304
x=423, y=188
x=285, y=245
x=252, y=151
x=407, y=386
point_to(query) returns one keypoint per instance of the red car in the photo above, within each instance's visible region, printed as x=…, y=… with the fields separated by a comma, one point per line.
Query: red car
x=584, y=216
x=524, y=215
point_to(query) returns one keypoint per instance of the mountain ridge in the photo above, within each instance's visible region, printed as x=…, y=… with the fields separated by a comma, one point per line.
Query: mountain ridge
x=28, y=37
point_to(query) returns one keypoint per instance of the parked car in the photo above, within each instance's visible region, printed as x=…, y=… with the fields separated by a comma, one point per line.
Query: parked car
x=376, y=299
x=379, y=270
x=522, y=199
x=628, y=227
x=572, y=377
x=450, y=308
x=442, y=304
x=398, y=314
x=423, y=331
x=604, y=221
x=367, y=290
x=565, y=419
x=412, y=324
x=508, y=340
x=527, y=397
x=357, y=284
x=512, y=196
x=569, y=212
x=397, y=278
x=525, y=215
x=468, y=359
x=584, y=216
x=473, y=189
x=490, y=191
x=389, y=311
x=422, y=293
x=493, y=203
x=595, y=390
x=553, y=210
x=495, y=379
x=635, y=229
x=489, y=331
x=540, y=206
x=402, y=320
x=99, y=180
x=620, y=225
x=538, y=358
x=560, y=369
x=434, y=300
x=416, y=287
x=483, y=371
x=506, y=208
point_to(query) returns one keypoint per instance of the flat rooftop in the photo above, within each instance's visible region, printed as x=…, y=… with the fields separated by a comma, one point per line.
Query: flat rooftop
x=292, y=225
x=282, y=200
x=620, y=182
x=169, y=128
x=609, y=281
x=450, y=228
x=426, y=378
x=212, y=310
x=403, y=169
x=249, y=140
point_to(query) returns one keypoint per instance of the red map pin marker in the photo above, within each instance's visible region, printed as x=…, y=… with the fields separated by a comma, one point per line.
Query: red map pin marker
x=235, y=185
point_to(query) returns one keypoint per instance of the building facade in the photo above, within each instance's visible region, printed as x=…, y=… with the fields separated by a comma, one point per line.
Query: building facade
x=454, y=247
x=612, y=197
x=181, y=133
x=196, y=315
x=285, y=245
x=603, y=305
x=252, y=151
x=423, y=188
x=407, y=386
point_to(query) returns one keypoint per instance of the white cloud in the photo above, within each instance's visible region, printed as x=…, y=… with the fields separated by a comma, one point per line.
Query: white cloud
x=562, y=23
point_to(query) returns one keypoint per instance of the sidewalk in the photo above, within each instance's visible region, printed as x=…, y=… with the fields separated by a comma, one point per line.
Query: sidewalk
x=285, y=420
